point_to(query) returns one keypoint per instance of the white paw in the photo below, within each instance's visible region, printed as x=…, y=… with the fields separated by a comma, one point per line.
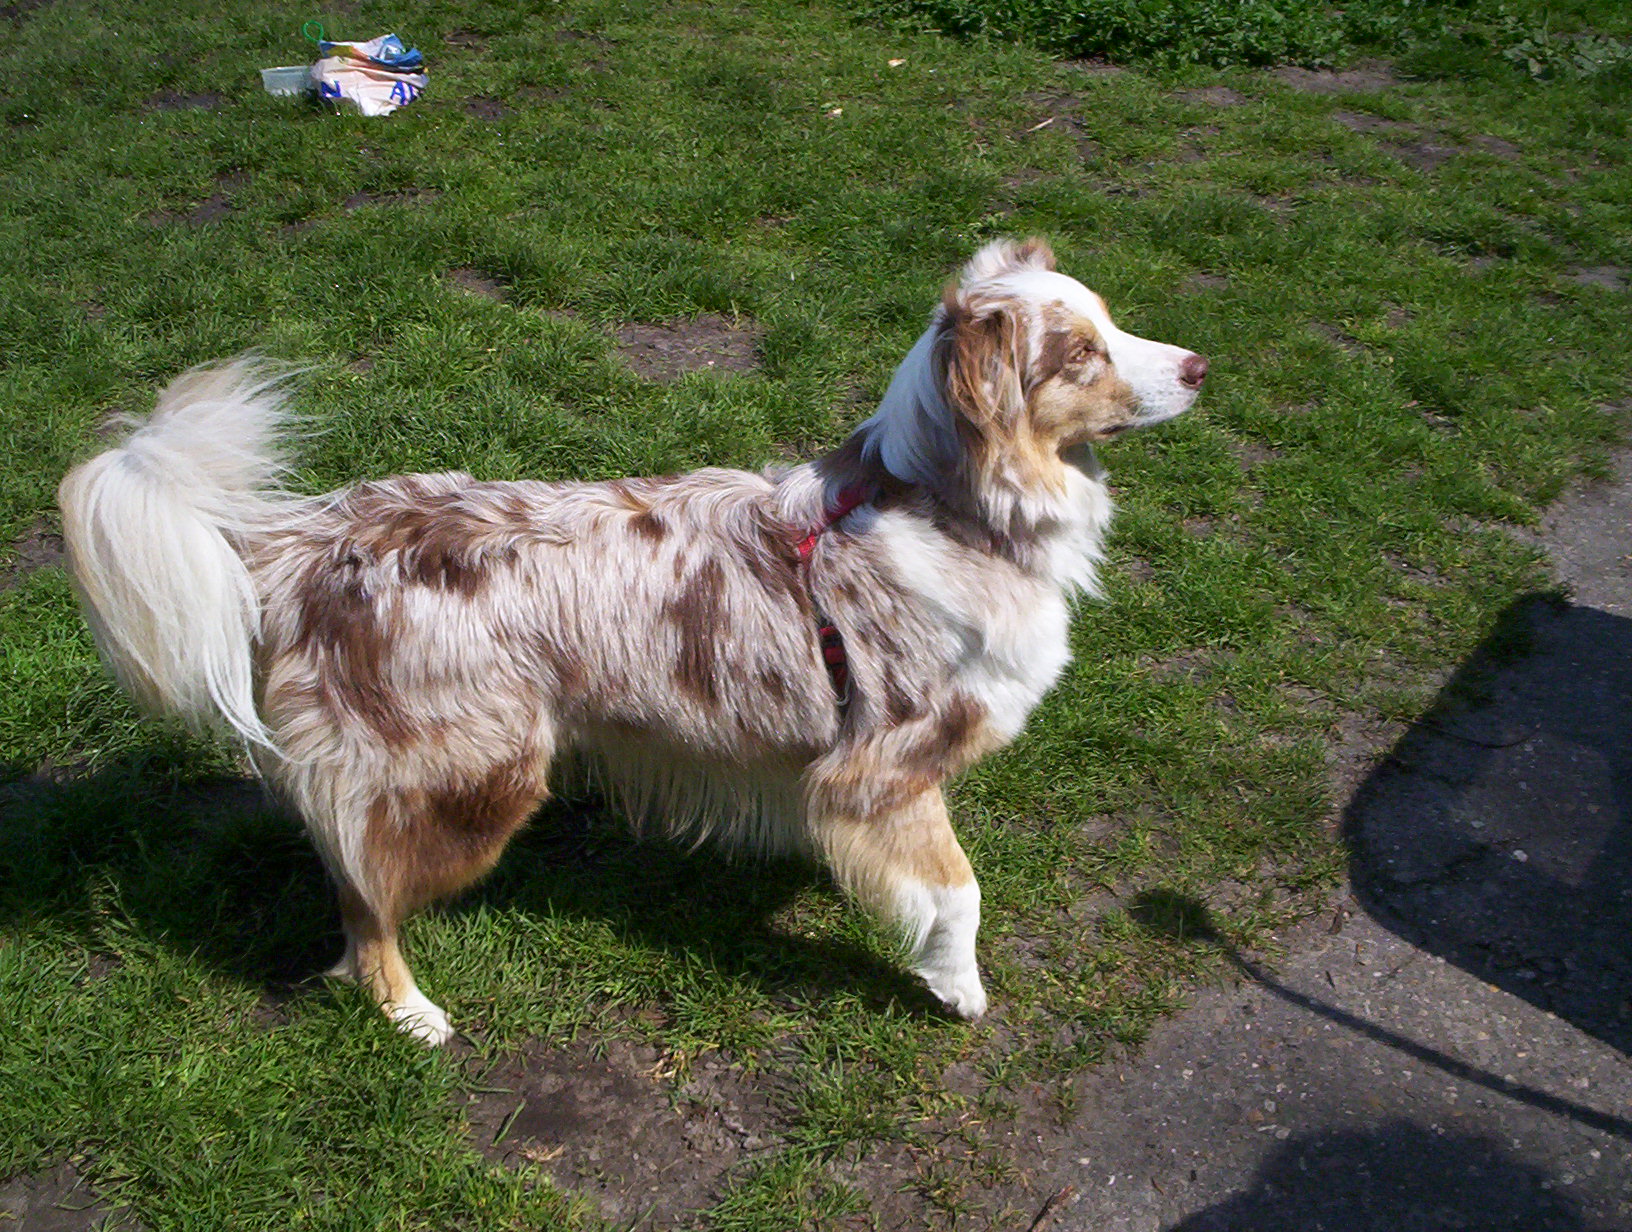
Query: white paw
x=422, y=1019
x=960, y=991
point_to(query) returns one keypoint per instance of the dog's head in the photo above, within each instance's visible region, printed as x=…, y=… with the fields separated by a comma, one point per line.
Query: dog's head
x=1020, y=365
x=1033, y=352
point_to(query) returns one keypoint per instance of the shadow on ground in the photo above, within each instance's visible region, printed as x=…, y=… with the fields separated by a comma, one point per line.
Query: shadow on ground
x=213, y=869
x=1498, y=833
x=1396, y=1177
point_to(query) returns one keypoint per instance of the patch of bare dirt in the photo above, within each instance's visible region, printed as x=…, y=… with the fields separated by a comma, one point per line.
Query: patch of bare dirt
x=99, y=967
x=1229, y=526
x=174, y=100
x=568, y=35
x=1498, y=146
x=1436, y=420
x=467, y=39
x=1117, y=188
x=1309, y=699
x=486, y=107
x=476, y=282
x=1094, y=67
x=1206, y=282
x=1213, y=96
x=905, y=1181
x=406, y=196
x=1609, y=277
x=1361, y=122
x=1087, y=147
x=1053, y=102
x=1137, y=568
x=709, y=343
x=1024, y=178
x=1278, y=206
x=212, y=209
x=38, y=547
x=543, y=94
x=1347, y=343
x=1252, y=454
x=15, y=11
x=1422, y=155
x=60, y=1200
x=1195, y=666
x=1056, y=112
x=969, y=1168
x=1427, y=575
x=1366, y=77
x=621, y=1129
x=1356, y=744
x=1414, y=146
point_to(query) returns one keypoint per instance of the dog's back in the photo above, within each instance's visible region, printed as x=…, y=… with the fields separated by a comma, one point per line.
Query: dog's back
x=670, y=609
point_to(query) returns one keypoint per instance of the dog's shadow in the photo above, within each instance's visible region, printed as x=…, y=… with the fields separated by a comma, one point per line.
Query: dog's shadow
x=214, y=869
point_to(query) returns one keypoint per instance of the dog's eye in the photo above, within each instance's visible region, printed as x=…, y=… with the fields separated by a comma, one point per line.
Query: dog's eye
x=1082, y=351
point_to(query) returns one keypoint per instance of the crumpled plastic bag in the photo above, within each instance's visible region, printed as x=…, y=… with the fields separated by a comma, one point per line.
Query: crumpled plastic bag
x=376, y=77
x=386, y=52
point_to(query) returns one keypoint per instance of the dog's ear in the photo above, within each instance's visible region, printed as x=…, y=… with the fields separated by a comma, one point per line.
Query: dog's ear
x=981, y=342
x=1006, y=257
x=984, y=356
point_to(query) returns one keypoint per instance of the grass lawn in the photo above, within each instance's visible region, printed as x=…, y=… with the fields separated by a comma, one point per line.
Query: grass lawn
x=1415, y=302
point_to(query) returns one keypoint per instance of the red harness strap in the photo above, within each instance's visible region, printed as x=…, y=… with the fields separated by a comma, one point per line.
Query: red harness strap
x=831, y=641
x=828, y=636
x=848, y=500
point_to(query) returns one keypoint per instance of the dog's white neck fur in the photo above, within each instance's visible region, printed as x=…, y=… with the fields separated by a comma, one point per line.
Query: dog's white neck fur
x=914, y=435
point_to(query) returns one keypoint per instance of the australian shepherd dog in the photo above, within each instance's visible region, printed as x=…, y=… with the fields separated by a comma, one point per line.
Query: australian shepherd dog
x=794, y=661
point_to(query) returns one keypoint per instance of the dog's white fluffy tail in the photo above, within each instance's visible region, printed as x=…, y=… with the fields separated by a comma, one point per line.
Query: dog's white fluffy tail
x=154, y=527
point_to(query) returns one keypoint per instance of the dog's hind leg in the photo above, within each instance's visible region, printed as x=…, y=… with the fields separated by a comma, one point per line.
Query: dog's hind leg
x=415, y=846
x=374, y=960
x=900, y=858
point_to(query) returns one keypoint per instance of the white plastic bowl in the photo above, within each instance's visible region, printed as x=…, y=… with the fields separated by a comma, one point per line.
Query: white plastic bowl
x=287, y=80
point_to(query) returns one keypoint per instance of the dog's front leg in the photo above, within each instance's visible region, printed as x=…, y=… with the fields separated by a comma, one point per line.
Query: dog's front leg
x=900, y=858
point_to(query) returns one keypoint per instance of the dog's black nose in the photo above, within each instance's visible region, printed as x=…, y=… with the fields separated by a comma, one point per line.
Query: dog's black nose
x=1193, y=371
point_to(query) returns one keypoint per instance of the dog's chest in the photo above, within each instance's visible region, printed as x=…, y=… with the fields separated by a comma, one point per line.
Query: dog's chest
x=1016, y=655
x=1002, y=634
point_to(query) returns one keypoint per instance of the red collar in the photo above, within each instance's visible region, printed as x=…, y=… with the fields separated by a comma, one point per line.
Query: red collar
x=847, y=500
